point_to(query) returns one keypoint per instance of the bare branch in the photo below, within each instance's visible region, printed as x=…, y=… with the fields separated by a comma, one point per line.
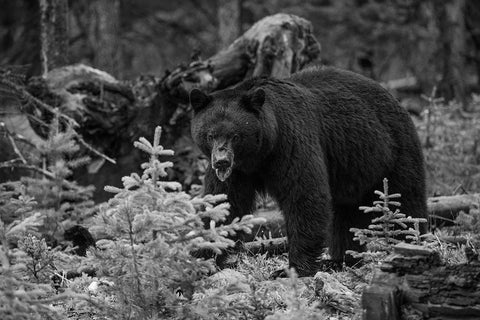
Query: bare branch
x=15, y=148
x=26, y=95
x=98, y=153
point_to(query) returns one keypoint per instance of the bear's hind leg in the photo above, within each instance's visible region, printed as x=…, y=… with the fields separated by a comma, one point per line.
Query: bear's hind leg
x=413, y=200
x=341, y=239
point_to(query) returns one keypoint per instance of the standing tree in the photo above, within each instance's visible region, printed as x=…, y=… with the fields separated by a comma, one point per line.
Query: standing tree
x=53, y=28
x=450, y=17
x=104, y=35
x=229, y=21
x=472, y=24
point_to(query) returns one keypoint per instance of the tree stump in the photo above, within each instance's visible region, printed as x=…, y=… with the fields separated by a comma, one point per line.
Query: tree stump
x=413, y=278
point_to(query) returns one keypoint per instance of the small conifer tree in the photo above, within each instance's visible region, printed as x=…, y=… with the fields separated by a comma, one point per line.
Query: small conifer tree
x=63, y=201
x=29, y=209
x=58, y=202
x=383, y=233
x=150, y=229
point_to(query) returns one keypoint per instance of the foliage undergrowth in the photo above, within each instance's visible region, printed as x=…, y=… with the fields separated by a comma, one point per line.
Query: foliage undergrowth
x=48, y=200
x=451, y=145
x=34, y=212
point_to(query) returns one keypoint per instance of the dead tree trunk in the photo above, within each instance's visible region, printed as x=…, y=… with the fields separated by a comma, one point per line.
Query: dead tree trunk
x=275, y=46
x=53, y=34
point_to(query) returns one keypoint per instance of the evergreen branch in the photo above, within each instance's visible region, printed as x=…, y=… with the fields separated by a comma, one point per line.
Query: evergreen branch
x=58, y=297
x=14, y=163
x=46, y=173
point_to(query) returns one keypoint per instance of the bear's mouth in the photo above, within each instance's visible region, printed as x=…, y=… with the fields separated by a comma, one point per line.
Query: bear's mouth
x=223, y=173
x=222, y=158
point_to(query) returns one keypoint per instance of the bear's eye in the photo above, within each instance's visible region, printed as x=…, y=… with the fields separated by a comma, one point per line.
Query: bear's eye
x=209, y=137
x=235, y=138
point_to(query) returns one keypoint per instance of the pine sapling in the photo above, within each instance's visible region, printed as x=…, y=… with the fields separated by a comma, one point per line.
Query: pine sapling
x=155, y=227
x=385, y=230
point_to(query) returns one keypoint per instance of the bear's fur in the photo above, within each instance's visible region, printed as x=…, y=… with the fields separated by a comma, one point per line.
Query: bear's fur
x=319, y=142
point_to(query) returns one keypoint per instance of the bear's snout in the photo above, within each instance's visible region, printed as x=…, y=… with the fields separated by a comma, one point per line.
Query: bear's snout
x=222, y=162
x=222, y=154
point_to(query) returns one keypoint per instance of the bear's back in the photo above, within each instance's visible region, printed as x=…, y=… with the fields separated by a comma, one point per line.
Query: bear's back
x=325, y=75
x=330, y=80
x=339, y=88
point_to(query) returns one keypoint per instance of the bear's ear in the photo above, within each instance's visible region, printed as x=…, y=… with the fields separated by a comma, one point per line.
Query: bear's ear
x=254, y=100
x=198, y=99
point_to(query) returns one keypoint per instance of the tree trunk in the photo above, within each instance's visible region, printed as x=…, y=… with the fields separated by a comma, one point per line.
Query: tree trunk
x=53, y=34
x=229, y=21
x=104, y=35
x=472, y=23
x=450, y=18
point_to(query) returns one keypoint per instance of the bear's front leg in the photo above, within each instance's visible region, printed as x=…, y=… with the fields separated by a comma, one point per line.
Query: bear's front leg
x=308, y=223
x=307, y=208
x=240, y=189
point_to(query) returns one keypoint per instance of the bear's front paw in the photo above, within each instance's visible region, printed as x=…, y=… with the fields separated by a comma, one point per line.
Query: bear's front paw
x=285, y=273
x=280, y=273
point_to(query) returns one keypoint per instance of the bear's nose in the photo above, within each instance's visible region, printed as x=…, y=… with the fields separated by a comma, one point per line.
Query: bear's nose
x=222, y=163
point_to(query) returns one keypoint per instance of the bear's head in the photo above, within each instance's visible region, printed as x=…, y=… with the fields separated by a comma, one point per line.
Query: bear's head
x=233, y=128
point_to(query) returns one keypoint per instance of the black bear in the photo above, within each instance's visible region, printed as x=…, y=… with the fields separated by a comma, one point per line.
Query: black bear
x=320, y=142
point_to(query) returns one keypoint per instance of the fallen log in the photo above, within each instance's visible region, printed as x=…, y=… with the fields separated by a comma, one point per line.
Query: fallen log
x=448, y=207
x=414, y=281
x=441, y=210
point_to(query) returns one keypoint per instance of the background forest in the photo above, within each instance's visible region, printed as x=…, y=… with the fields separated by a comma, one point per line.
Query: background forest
x=387, y=40
x=101, y=210
x=409, y=46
